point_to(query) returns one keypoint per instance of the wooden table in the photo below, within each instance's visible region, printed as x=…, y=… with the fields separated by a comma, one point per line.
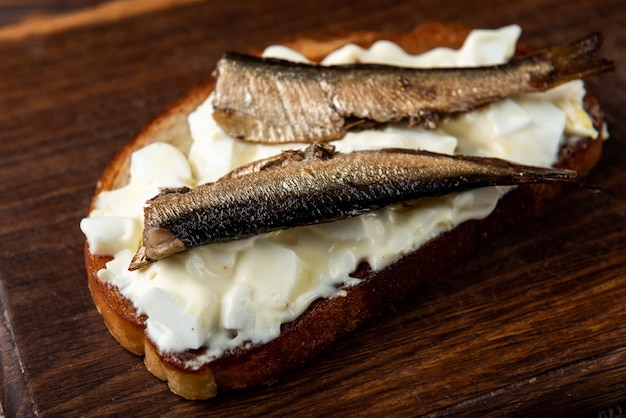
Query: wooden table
x=533, y=324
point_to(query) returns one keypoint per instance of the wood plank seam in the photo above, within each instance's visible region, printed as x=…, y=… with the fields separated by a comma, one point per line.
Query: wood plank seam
x=10, y=356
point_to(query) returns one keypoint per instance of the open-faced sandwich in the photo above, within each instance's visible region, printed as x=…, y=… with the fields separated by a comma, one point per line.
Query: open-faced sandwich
x=292, y=197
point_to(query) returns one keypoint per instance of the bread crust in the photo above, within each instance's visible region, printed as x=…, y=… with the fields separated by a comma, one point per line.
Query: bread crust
x=318, y=325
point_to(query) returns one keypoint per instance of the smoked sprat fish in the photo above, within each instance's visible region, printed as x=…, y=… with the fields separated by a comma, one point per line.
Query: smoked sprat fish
x=312, y=186
x=271, y=100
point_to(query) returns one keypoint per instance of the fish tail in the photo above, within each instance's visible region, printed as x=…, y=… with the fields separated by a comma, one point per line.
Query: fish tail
x=570, y=61
x=528, y=174
x=562, y=178
x=552, y=176
x=566, y=177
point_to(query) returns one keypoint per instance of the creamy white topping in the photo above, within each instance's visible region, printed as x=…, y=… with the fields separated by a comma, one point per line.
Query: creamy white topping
x=222, y=296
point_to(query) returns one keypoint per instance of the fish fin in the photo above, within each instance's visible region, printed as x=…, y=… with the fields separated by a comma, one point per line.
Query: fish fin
x=168, y=192
x=275, y=161
x=317, y=150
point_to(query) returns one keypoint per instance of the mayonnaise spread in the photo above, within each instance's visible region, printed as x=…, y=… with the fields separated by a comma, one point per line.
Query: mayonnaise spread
x=222, y=296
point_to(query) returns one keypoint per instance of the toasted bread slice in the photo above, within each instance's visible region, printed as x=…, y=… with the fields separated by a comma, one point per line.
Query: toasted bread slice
x=318, y=327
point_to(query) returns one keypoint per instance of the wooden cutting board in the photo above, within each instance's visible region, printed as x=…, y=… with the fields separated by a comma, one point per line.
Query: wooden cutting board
x=533, y=324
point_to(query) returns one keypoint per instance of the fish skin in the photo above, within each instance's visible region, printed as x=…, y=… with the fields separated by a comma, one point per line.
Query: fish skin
x=313, y=186
x=272, y=101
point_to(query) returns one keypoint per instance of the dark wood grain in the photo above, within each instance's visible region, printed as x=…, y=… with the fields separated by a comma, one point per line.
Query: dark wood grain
x=533, y=324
